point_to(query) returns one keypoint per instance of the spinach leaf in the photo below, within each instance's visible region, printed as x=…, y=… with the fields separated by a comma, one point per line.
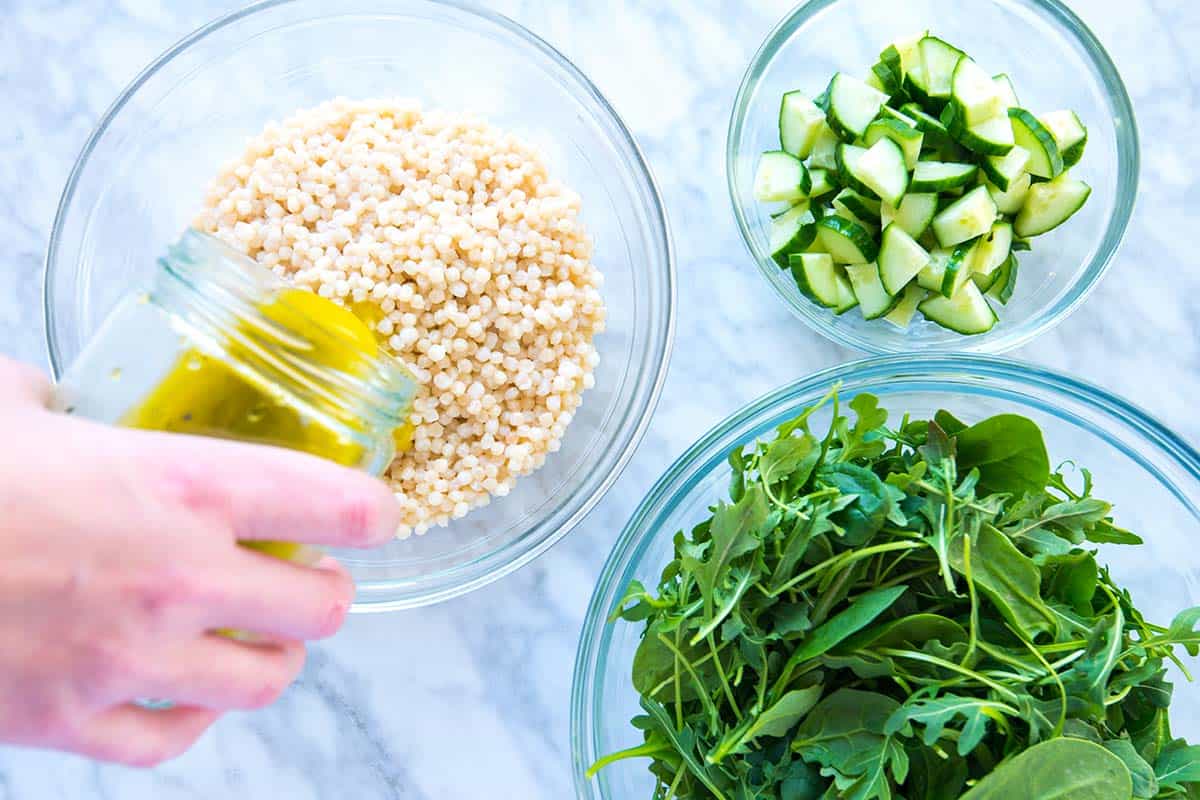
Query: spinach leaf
x=1060, y=769
x=1145, y=782
x=775, y=721
x=1009, y=579
x=859, y=615
x=1009, y=452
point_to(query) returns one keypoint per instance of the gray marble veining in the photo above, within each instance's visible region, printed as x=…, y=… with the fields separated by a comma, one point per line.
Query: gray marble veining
x=470, y=699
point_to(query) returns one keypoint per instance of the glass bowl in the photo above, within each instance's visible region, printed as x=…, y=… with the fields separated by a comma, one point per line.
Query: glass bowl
x=141, y=178
x=1149, y=473
x=1057, y=64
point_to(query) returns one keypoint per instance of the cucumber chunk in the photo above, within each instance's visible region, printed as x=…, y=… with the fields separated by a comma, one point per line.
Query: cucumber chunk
x=975, y=94
x=1070, y=134
x=907, y=136
x=822, y=182
x=863, y=210
x=800, y=122
x=914, y=215
x=1010, y=202
x=935, y=132
x=970, y=216
x=824, y=149
x=781, y=178
x=1045, y=159
x=846, y=240
x=938, y=60
x=967, y=312
x=939, y=176
x=1006, y=90
x=1005, y=282
x=901, y=316
x=900, y=259
x=791, y=232
x=947, y=269
x=819, y=280
x=852, y=106
x=873, y=299
x=993, y=249
x=1003, y=171
x=882, y=169
x=993, y=137
x=1050, y=204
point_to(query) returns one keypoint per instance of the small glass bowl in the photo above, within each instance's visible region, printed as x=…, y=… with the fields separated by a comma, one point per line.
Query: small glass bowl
x=1055, y=62
x=1150, y=475
x=142, y=177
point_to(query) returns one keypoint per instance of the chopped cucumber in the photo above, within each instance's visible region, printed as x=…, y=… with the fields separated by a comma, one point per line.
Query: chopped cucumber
x=938, y=60
x=882, y=169
x=846, y=240
x=1005, y=282
x=818, y=278
x=781, y=178
x=1006, y=90
x=873, y=299
x=1045, y=159
x=993, y=137
x=1010, y=202
x=993, y=249
x=914, y=215
x=970, y=216
x=900, y=259
x=800, y=122
x=1003, y=171
x=967, y=312
x=975, y=94
x=956, y=268
x=1069, y=134
x=822, y=182
x=791, y=232
x=901, y=316
x=935, y=132
x=1050, y=204
x=858, y=206
x=852, y=106
x=824, y=150
x=913, y=190
x=938, y=176
x=907, y=136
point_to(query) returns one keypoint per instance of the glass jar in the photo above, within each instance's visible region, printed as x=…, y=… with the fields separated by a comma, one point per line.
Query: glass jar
x=217, y=345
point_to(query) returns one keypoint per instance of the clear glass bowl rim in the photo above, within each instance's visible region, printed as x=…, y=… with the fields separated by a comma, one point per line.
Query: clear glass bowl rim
x=1128, y=172
x=1037, y=384
x=496, y=564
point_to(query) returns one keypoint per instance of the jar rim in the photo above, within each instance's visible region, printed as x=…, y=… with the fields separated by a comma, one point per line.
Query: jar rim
x=220, y=293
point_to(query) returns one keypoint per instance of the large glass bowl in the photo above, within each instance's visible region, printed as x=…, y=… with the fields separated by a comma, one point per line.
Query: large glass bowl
x=1151, y=476
x=141, y=178
x=1055, y=63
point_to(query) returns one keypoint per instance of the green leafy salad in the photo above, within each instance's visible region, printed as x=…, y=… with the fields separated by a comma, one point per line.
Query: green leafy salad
x=904, y=612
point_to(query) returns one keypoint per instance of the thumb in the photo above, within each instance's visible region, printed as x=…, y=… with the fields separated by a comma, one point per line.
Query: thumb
x=22, y=385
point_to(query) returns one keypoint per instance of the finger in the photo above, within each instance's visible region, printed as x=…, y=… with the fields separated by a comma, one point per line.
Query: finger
x=142, y=737
x=22, y=384
x=278, y=598
x=219, y=673
x=270, y=493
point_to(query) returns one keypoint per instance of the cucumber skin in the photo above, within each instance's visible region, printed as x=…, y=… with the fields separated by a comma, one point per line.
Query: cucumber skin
x=804, y=238
x=861, y=239
x=847, y=177
x=1044, y=140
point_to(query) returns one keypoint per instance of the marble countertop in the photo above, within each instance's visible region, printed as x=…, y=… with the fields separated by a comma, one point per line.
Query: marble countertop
x=470, y=698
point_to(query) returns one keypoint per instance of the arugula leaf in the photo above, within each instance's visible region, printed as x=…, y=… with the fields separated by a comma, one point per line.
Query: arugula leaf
x=867, y=439
x=845, y=735
x=775, y=721
x=935, y=714
x=789, y=459
x=1183, y=630
x=1178, y=765
x=735, y=532
x=859, y=615
x=1074, y=579
x=1009, y=452
x=1009, y=579
x=1060, y=769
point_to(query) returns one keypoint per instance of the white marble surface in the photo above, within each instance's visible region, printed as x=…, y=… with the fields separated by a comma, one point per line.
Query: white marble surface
x=470, y=699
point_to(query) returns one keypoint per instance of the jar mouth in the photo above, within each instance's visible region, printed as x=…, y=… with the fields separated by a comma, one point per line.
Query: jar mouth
x=232, y=303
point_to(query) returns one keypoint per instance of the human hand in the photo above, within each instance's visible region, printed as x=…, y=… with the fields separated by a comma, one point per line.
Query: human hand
x=119, y=557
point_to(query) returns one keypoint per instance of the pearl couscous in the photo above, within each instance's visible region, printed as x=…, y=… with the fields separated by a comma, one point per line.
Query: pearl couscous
x=471, y=263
